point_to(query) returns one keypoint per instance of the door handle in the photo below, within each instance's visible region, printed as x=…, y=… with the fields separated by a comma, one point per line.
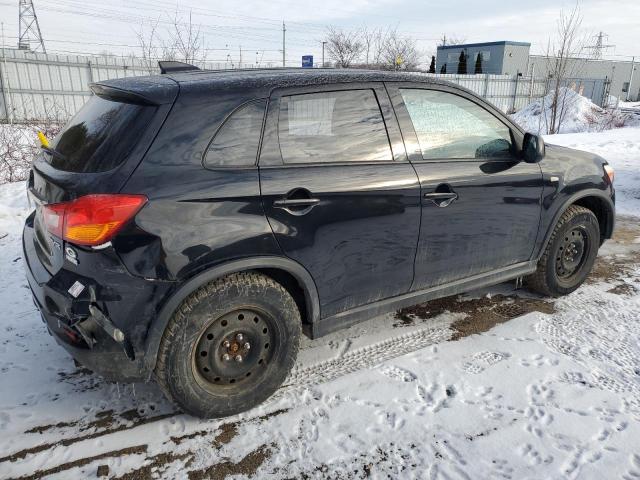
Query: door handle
x=442, y=199
x=296, y=202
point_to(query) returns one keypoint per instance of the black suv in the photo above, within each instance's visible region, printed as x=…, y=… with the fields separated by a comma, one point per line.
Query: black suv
x=191, y=225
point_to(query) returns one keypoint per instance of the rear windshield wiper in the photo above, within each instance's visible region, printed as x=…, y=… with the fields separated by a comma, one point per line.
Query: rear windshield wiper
x=53, y=152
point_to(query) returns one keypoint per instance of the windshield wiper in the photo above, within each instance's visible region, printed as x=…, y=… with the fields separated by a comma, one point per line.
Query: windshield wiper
x=53, y=152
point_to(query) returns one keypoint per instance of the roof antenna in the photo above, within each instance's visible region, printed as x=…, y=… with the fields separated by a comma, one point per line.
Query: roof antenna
x=168, y=66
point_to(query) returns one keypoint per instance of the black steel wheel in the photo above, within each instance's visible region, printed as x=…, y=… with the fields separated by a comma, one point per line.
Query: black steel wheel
x=229, y=345
x=569, y=255
x=235, y=348
x=572, y=252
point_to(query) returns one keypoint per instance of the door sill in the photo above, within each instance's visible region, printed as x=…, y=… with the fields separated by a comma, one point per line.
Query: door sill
x=365, y=312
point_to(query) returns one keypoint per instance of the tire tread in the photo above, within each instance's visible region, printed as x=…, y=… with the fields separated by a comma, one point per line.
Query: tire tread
x=537, y=281
x=180, y=316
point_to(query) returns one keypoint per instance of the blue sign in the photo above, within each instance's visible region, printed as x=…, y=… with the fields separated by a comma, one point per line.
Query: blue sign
x=307, y=61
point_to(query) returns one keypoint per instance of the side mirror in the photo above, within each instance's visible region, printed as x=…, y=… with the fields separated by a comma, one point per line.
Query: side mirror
x=533, y=149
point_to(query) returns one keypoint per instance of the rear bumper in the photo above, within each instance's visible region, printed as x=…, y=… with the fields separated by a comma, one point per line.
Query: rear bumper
x=74, y=327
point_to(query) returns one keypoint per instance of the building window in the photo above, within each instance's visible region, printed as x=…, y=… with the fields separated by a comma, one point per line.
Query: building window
x=625, y=87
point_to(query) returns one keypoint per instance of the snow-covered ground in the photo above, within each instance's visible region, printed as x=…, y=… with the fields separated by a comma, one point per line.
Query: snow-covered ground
x=495, y=384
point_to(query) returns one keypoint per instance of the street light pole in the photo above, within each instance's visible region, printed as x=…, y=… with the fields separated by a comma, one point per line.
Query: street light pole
x=323, y=44
x=283, y=45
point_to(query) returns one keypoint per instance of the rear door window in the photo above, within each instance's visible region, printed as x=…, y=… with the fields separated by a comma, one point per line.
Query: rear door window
x=236, y=142
x=340, y=126
x=100, y=136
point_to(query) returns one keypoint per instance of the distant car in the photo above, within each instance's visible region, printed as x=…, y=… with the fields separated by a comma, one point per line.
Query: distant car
x=191, y=225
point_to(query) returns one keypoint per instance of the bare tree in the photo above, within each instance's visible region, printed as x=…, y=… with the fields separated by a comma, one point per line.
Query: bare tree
x=369, y=38
x=344, y=47
x=563, y=65
x=399, y=52
x=180, y=40
x=148, y=42
x=186, y=40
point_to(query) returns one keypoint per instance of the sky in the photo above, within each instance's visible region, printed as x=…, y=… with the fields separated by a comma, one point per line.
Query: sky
x=255, y=27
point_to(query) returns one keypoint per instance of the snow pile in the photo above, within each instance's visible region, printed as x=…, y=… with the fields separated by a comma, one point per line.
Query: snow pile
x=13, y=208
x=574, y=114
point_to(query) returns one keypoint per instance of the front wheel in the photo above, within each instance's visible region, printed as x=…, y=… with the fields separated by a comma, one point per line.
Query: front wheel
x=569, y=255
x=229, y=345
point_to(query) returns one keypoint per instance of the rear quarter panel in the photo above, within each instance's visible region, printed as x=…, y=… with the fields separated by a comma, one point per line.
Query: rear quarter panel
x=196, y=218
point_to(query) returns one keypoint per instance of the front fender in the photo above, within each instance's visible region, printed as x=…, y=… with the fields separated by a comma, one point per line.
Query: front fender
x=159, y=324
x=605, y=197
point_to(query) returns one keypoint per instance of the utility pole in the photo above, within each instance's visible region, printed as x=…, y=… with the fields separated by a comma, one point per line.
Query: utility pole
x=599, y=46
x=283, y=45
x=323, y=44
x=29, y=27
x=240, y=62
x=4, y=83
x=633, y=59
x=533, y=73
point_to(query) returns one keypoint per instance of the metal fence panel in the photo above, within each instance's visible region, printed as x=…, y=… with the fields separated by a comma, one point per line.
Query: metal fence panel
x=37, y=86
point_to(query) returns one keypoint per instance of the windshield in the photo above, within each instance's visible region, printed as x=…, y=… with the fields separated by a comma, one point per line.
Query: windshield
x=100, y=136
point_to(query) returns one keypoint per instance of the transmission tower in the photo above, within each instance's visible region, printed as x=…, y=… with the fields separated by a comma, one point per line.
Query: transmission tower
x=599, y=46
x=30, y=37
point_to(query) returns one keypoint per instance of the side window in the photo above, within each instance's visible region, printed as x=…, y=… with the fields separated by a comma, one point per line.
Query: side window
x=341, y=126
x=450, y=126
x=236, y=142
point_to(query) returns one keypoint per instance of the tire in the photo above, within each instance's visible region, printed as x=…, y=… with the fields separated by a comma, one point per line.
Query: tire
x=569, y=255
x=246, y=315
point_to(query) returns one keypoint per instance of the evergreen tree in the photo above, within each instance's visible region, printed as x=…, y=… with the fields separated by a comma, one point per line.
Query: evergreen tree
x=443, y=70
x=462, y=64
x=478, y=68
x=432, y=67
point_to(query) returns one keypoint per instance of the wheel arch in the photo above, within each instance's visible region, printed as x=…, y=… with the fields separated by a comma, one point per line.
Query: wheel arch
x=598, y=202
x=290, y=274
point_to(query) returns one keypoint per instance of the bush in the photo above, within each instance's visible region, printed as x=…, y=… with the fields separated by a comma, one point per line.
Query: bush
x=19, y=145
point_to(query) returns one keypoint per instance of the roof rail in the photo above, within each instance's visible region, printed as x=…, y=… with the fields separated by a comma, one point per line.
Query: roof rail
x=168, y=66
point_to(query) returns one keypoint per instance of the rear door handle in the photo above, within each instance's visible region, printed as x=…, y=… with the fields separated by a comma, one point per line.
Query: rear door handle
x=296, y=202
x=442, y=199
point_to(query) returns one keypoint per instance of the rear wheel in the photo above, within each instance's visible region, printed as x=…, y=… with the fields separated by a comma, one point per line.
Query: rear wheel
x=569, y=255
x=229, y=346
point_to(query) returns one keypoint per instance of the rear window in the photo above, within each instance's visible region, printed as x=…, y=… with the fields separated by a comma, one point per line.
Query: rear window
x=100, y=136
x=236, y=143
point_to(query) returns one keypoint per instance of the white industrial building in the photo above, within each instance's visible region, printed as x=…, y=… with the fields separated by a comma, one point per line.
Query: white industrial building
x=513, y=58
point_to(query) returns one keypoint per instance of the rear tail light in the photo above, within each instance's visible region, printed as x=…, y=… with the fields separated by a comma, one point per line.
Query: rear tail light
x=93, y=219
x=608, y=169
